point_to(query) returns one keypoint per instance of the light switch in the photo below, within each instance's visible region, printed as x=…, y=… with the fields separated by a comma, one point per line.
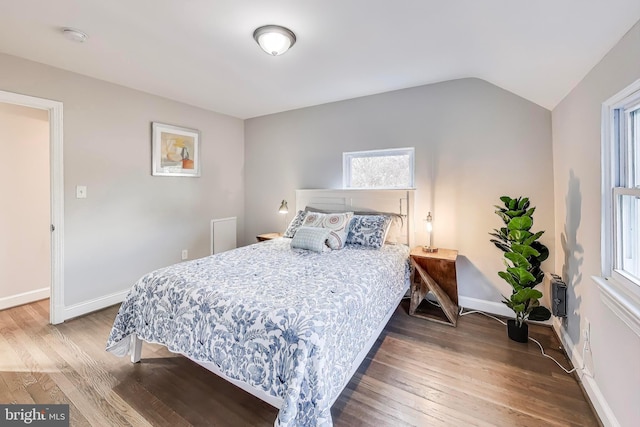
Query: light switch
x=81, y=191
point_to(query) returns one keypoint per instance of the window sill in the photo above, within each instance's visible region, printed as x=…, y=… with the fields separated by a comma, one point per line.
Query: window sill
x=624, y=302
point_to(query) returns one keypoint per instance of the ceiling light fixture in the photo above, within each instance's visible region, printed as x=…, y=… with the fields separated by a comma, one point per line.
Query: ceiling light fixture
x=75, y=35
x=274, y=39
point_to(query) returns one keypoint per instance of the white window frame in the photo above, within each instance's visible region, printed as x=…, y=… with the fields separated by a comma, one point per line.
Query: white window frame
x=619, y=291
x=348, y=156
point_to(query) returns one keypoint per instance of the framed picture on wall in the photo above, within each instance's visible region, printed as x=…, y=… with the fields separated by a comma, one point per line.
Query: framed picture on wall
x=175, y=151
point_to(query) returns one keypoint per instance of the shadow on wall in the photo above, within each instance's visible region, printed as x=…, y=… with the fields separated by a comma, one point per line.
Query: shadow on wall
x=573, y=251
x=481, y=287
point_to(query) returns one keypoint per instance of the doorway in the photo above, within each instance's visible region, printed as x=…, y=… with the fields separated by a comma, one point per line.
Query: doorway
x=56, y=194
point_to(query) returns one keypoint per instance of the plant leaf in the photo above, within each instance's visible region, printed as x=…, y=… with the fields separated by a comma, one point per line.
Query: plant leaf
x=512, y=204
x=505, y=200
x=530, y=211
x=502, y=246
x=520, y=223
x=526, y=295
x=544, y=251
x=517, y=259
x=540, y=314
x=514, y=213
x=506, y=218
x=518, y=308
x=522, y=203
x=525, y=250
x=533, y=238
x=518, y=236
x=508, y=278
x=521, y=275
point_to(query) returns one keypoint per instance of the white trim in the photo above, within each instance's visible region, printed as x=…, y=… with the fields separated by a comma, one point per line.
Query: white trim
x=621, y=300
x=94, y=304
x=493, y=307
x=57, y=194
x=608, y=152
x=24, y=298
x=590, y=386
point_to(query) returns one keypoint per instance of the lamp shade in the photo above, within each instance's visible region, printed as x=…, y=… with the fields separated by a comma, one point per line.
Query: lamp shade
x=274, y=39
x=284, y=209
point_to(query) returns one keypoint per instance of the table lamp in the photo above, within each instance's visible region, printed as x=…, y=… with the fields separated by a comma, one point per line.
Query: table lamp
x=429, y=224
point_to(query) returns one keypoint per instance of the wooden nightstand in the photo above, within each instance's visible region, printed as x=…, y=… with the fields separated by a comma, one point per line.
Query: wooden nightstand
x=268, y=236
x=434, y=272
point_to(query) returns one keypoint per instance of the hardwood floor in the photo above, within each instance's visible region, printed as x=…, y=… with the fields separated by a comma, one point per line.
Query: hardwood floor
x=418, y=373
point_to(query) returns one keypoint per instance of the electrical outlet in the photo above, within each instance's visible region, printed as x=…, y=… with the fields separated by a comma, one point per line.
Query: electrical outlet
x=586, y=332
x=185, y=254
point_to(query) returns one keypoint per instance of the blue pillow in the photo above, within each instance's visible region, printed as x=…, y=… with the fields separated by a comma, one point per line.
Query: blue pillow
x=368, y=230
x=295, y=223
x=311, y=238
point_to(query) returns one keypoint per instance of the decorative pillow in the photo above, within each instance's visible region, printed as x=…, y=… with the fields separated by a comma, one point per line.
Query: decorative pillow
x=338, y=223
x=394, y=231
x=311, y=238
x=368, y=230
x=295, y=223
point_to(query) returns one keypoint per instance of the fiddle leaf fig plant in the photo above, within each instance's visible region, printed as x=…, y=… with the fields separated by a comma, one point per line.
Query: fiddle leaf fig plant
x=523, y=255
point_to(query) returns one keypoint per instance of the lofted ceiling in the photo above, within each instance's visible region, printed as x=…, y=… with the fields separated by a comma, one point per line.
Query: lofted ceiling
x=201, y=52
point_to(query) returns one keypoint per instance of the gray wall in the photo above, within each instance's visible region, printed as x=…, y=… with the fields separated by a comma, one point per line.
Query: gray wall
x=131, y=222
x=615, y=349
x=474, y=143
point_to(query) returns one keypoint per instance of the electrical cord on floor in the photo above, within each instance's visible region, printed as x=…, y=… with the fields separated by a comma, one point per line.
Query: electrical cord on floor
x=463, y=313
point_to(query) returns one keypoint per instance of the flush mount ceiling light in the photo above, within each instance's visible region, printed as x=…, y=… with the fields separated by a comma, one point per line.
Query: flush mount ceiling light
x=274, y=39
x=75, y=35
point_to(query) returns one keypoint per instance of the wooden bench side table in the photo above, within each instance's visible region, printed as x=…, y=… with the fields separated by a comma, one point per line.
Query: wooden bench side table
x=434, y=272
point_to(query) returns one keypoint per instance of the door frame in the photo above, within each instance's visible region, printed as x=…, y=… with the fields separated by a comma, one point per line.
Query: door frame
x=56, y=299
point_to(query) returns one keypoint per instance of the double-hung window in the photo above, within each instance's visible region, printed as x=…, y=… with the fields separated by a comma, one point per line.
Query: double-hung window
x=378, y=168
x=621, y=204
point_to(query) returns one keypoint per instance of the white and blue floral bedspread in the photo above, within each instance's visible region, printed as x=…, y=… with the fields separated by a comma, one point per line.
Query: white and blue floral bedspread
x=287, y=321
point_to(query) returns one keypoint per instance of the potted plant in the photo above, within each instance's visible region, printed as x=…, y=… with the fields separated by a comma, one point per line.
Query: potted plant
x=523, y=254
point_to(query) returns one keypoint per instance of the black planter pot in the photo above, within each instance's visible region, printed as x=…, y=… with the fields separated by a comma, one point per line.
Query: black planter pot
x=519, y=334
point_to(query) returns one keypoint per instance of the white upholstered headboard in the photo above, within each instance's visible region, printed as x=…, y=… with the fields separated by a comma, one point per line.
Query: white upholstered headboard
x=391, y=201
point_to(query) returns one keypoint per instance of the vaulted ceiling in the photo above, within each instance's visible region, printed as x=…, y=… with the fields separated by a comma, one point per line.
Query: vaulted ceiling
x=201, y=52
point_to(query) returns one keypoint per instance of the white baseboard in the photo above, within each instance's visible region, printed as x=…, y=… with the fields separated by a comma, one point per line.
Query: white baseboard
x=487, y=306
x=492, y=307
x=590, y=385
x=24, y=298
x=94, y=304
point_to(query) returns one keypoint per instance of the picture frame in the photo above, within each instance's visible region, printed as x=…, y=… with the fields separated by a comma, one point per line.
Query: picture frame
x=175, y=150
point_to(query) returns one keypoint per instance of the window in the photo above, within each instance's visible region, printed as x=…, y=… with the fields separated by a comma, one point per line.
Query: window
x=378, y=168
x=623, y=150
x=620, y=286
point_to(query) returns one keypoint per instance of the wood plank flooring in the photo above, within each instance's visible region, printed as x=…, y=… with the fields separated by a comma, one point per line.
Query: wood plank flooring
x=419, y=373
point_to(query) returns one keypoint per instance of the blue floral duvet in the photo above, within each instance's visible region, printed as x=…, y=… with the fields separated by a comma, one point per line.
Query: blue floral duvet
x=287, y=321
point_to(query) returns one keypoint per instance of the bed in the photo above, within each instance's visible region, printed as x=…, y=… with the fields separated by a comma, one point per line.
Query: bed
x=289, y=326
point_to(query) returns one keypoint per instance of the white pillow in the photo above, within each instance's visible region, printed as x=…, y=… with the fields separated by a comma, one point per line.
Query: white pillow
x=311, y=238
x=338, y=223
